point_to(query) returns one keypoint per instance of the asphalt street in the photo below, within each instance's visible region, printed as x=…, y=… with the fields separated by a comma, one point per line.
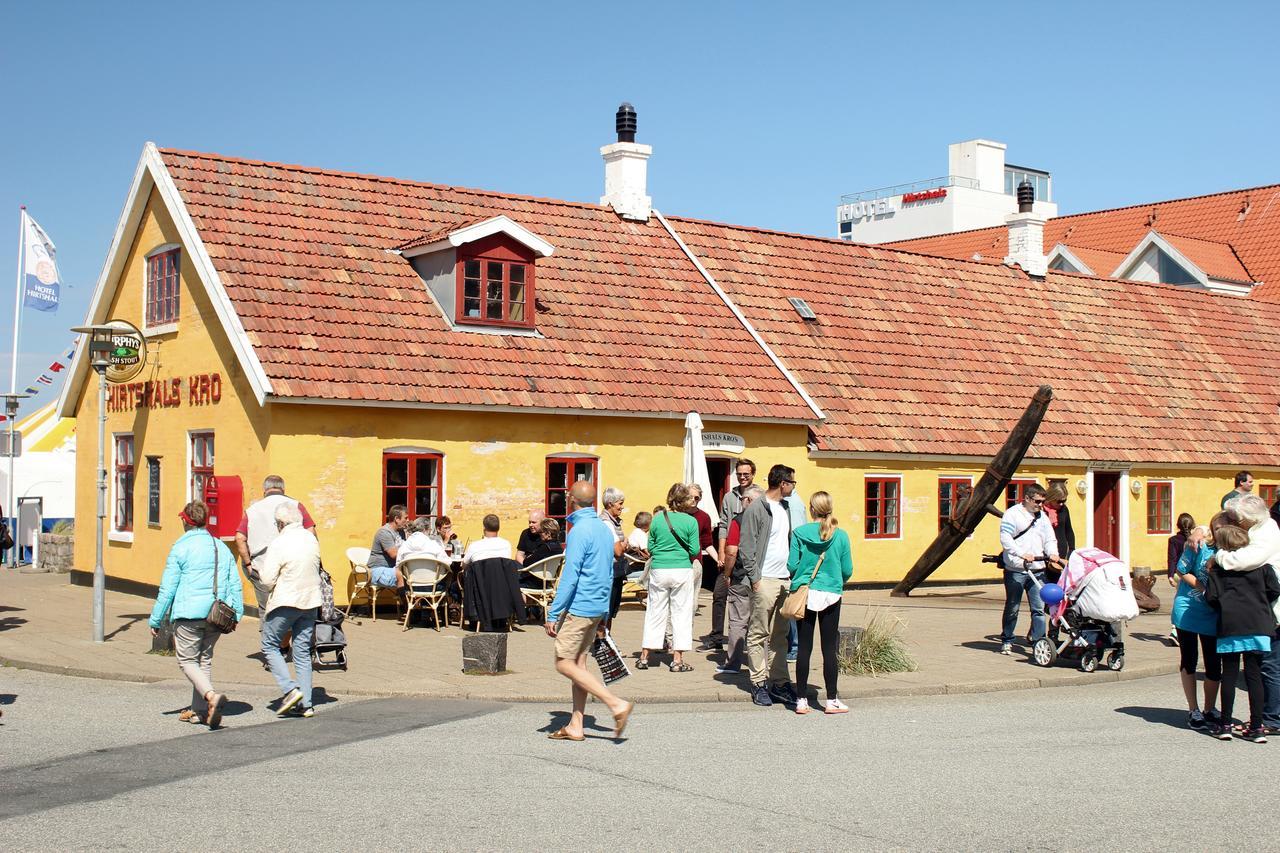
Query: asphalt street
x=99, y=765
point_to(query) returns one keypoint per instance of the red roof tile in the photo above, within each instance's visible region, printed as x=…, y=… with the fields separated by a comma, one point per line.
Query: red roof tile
x=1247, y=221
x=1215, y=259
x=919, y=354
x=626, y=322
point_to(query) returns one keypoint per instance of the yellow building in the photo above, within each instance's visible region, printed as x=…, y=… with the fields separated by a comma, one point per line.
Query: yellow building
x=378, y=341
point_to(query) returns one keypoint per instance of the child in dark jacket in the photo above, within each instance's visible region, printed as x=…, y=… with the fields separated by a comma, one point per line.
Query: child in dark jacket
x=1246, y=623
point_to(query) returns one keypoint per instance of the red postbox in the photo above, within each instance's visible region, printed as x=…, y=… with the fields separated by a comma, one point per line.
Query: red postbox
x=224, y=495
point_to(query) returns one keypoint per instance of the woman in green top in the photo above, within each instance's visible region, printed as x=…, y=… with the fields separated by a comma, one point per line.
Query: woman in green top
x=673, y=546
x=820, y=550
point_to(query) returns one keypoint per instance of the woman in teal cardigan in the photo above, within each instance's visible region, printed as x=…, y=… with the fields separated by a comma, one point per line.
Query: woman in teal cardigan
x=823, y=546
x=186, y=596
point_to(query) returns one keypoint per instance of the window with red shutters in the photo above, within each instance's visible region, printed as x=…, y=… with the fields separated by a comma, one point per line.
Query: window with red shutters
x=884, y=507
x=162, y=287
x=951, y=491
x=1159, y=506
x=495, y=283
x=562, y=473
x=1267, y=493
x=1016, y=492
x=123, y=517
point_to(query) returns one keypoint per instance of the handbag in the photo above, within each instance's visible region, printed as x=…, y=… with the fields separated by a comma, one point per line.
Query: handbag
x=798, y=600
x=221, y=618
x=608, y=658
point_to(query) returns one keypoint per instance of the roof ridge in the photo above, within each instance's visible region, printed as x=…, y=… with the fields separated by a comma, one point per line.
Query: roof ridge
x=297, y=167
x=882, y=247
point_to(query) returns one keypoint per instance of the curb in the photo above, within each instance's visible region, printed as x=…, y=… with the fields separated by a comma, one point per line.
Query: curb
x=861, y=688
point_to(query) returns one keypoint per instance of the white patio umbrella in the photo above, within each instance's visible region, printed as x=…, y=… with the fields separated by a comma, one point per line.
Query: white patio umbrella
x=695, y=465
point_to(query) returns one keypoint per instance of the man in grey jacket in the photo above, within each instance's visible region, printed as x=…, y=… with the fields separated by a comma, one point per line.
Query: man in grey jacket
x=731, y=506
x=765, y=547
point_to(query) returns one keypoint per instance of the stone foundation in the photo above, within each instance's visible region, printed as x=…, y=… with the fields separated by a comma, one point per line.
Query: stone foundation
x=55, y=553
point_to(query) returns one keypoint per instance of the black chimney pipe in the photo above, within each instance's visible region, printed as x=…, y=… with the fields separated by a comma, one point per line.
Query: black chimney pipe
x=625, y=121
x=1026, y=196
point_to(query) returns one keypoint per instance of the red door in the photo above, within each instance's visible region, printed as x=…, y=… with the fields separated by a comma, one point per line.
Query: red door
x=1106, y=511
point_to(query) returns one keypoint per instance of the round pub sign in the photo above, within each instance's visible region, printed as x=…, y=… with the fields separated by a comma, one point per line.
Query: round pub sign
x=128, y=353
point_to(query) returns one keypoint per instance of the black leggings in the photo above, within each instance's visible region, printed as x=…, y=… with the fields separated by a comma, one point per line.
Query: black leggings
x=828, y=622
x=1212, y=662
x=1252, y=682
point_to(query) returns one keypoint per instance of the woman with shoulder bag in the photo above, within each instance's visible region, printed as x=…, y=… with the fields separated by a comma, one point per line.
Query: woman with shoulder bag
x=821, y=563
x=201, y=591
x=673, y=546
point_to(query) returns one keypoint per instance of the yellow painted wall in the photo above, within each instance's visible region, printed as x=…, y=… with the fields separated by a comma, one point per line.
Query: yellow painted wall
x=198, y=346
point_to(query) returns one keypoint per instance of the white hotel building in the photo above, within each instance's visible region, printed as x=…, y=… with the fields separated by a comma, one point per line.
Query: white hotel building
x=977, y=192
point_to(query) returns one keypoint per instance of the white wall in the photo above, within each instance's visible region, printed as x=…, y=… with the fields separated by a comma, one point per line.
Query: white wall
x=51, y=476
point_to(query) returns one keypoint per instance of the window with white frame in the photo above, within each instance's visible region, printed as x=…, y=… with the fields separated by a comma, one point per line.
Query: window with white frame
x=201, y=463
x=122, y=517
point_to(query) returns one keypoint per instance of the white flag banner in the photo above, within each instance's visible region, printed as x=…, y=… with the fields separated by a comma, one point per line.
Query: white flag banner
x=40, y=284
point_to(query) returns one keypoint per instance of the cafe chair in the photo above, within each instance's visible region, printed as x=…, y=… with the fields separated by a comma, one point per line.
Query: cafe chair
x=547, y=572
x=426, y=582
x=359, y=560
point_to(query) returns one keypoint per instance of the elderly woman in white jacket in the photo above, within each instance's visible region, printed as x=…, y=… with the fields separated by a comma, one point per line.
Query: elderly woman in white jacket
x=1251, y=513
x=291, y=571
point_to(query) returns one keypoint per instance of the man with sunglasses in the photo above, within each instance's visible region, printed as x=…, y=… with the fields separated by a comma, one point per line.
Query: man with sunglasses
x=731, y=506
x=1026, y=538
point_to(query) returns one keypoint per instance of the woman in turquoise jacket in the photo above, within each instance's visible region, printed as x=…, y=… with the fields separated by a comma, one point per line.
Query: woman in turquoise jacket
x=1197, y=623
x=186, y=596
x=822, y=546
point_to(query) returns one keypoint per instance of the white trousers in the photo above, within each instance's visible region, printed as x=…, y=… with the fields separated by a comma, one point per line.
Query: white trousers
x=670, y=596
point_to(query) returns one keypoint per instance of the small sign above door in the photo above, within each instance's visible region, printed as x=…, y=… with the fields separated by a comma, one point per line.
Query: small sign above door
x=723, y=442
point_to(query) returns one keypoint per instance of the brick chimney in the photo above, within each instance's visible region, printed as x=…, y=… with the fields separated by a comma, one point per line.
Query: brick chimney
x=626, y=170
x=1026, y=235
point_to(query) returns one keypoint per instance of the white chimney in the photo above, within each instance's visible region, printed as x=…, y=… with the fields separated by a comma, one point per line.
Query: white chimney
x=1026, y=235
x=626, y=166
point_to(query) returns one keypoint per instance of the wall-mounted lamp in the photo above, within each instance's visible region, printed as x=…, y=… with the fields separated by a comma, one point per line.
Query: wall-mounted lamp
x=1135, y=486
x=1081, y=487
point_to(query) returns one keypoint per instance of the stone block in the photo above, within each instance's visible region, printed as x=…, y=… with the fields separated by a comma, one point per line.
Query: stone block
x=162, y=642
x=55, y=553
x=850, y=636
x=484, y=654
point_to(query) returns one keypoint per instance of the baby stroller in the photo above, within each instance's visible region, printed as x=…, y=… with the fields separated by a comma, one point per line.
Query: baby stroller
x=329, y=638
x=1086, y=624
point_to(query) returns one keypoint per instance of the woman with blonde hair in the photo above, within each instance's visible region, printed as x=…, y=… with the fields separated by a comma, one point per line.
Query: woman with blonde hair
x=673, y=546
x=821, y=558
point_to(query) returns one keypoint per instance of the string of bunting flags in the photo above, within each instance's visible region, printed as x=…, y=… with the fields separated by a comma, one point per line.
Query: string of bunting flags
x=50, y=374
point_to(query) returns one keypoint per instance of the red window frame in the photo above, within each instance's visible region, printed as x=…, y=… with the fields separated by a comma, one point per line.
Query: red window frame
x=949, y=496
x=162, y=287
x=1159, y=506
x=415, y=488
x=884, y=511
x=1016, y=492
x=1268, y=493
x=124, y=471
x=202, y=453
x=500, y=261
x=556, y=496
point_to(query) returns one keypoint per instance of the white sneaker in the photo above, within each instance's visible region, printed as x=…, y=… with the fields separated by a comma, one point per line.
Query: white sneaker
x=1006, y=648
x=802, y=706
x=287, y=701
x=835, y=706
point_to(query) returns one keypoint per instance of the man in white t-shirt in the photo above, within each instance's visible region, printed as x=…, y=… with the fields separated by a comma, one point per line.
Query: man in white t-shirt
x=764, y=549
x=490, y=546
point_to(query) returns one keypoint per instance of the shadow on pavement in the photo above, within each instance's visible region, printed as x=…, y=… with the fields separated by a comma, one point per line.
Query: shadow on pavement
x=134, y=618
x=560, y=719
x=8, y=623
x=8, y=698
x=9, y=608
x=1168, y=716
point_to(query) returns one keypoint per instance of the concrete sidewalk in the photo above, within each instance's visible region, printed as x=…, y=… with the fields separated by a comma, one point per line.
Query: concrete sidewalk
x=45, y=625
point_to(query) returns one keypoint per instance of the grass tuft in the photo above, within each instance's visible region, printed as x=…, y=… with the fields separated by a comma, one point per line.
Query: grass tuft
x=880, y=649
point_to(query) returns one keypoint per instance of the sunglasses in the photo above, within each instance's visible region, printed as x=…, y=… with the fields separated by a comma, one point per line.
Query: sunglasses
x=1037, y=501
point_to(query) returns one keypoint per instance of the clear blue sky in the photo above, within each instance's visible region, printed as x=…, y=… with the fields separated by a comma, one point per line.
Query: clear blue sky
x=759, y=113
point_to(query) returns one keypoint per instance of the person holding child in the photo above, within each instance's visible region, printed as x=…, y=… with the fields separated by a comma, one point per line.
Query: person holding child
x=1196, y=623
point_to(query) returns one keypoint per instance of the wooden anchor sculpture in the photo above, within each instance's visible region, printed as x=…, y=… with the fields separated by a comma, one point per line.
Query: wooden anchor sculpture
x=973, y=509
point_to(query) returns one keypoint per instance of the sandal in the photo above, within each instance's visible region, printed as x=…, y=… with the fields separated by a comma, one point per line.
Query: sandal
x=190, y=716
x=642, y=664
x=680, y=667
x=563, y=734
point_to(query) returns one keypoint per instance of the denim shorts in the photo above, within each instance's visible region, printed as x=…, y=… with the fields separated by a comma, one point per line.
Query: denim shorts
x=382, y=575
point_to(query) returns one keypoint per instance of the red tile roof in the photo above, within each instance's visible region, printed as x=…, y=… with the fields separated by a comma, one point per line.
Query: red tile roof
x=919, y=354
x=626, y=322
x=1215, y=259
x=1247, y=221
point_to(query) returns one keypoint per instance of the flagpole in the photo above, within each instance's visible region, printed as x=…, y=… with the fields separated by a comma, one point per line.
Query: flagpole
x=13, y=374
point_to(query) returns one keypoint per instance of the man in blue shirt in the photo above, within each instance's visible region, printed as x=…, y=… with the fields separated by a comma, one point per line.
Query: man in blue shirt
x=582, y=602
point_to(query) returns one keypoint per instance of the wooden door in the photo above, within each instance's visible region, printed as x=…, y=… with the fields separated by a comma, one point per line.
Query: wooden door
x=1106, y=511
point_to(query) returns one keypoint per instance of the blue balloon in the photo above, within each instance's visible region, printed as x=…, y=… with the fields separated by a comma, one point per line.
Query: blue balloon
x=1051, y=593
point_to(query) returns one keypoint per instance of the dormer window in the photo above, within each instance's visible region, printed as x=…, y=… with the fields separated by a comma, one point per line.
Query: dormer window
x=495, y=285
x=482, y=273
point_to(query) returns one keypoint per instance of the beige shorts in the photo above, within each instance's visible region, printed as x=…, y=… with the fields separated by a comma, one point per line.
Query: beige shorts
x=576, y=636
